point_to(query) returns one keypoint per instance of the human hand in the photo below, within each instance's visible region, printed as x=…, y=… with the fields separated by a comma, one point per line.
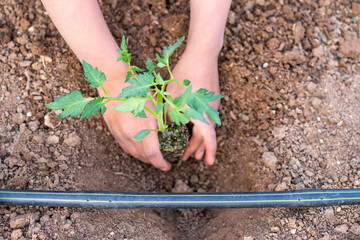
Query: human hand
x=124, y=126
x=202, y=71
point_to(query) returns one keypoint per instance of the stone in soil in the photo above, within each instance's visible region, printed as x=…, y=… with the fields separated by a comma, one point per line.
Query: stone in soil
x=16, y=234
x=73, y=140
x=350, y=45
x=343, y=228
x=270, y=160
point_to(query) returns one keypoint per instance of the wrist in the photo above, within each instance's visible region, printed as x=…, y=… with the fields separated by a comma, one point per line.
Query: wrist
x=204, y=49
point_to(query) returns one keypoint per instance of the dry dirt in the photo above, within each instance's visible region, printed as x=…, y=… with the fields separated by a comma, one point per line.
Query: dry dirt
x=289, y=71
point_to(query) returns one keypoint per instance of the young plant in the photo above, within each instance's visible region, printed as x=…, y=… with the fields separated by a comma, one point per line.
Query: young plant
x=146, y=85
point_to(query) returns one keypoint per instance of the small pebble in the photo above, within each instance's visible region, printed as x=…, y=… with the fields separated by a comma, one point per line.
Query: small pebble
x=293, y=231
x=265, y=65
x=343, y=228
x=52, y=139
x=232, y=115
x=16, y=234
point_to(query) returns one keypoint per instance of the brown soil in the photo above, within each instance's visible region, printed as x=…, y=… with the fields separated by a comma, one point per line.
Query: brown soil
x=289, y=71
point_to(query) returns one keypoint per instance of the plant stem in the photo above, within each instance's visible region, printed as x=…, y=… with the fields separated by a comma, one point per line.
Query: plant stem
x=151, y=111
x=161, y=123
x=168, y=67
x=102, y=87
x=132, y=72
x=114, y=98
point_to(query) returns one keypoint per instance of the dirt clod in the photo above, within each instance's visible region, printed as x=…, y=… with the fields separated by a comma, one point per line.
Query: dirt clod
x=350, y=45
x=270, y=160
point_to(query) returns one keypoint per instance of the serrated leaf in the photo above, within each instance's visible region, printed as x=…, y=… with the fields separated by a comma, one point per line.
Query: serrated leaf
x=186, y=82
x=128, y=76
x=150, y=65
x=123, y=44
x=134, y=105
x=168, y=51
x=72, y=103
x=161, y=61
x=125, y=55
x=159, y=78
x=139, y=87
x=93, y=76
x=183, y=99
x=94, y=107
x=178, y=117
x=159, y=107
x=141, y=114
x=200, y=102
x=192, y=113
x=142, y=134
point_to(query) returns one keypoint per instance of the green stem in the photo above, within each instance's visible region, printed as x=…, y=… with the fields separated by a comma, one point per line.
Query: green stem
x=166, y=100
x=132, y=72
x=114, y=98
x=102, y=87
x=168, y=67
x=161, y=124
x=151, y=111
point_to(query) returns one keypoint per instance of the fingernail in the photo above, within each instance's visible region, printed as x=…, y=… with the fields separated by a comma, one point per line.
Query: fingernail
x=185, y=157
x=166, y=168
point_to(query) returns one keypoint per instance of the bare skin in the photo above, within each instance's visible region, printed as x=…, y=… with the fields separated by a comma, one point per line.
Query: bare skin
x=83, y=27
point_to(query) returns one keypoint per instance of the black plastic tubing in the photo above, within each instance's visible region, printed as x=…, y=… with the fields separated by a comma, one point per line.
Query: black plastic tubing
x=112, y=200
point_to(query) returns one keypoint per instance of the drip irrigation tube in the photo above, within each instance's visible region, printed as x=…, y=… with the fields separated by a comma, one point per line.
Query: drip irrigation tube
x=103, y=200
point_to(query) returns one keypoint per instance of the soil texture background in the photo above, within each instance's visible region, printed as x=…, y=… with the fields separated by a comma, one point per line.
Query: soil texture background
x=289, y=71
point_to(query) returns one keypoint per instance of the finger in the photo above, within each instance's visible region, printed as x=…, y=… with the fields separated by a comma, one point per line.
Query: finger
x=151, y=152
x=199, y=153
x=210, y=146
x=194, y=143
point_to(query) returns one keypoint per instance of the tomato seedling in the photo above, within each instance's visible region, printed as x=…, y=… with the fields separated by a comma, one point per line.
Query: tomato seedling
x=146, y=85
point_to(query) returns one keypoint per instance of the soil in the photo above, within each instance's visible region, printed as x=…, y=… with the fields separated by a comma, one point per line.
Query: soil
x=289, y=71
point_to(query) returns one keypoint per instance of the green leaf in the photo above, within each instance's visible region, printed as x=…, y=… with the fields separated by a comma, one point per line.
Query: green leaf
x=161, y=61
x=159, y=78
x=200, y=102
x=123, y=44
x=141, y=114
x=140, y=86
x=178, y=117
x=72, y=103
x=159, y=107
x=93, y=76
x=192, y=113
x=125, y=55
x=128, y=76
x=94, y=107
x=183, y=99
x=142, y=134
x=167, y=52
x=134, y=105
x=150, y=65
x=186, y=82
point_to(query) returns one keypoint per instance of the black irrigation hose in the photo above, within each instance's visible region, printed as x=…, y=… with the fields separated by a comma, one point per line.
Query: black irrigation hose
x=102, y=200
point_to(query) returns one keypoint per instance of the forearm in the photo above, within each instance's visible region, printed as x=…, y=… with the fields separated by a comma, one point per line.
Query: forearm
x=207, y=25
x=83, y=27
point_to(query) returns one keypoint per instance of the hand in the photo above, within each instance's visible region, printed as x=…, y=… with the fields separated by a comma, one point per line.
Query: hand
x=202, y=71
x=124, y=126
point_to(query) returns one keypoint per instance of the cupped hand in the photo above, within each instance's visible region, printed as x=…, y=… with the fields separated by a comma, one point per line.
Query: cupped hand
x=124, y=126
x=202, y=71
